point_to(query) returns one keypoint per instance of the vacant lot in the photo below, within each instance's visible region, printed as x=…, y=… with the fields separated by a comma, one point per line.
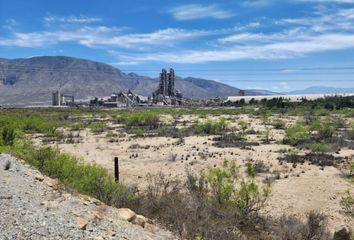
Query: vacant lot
x=305, y=156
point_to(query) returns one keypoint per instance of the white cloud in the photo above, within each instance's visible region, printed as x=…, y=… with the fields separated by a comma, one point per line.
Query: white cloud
x=256, y=3
x=277, y=50
x=71, y=19
x=39, y=39
x=108, y=37
x=10, y=24
x=199, y=11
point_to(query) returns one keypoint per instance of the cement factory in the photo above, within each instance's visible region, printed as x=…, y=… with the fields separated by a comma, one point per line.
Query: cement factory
x=165, y=95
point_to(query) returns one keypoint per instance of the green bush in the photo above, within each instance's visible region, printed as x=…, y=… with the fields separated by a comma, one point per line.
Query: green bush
x=77, y=126
x=97, y=127
x=211, y=127
x=142, y=118
x=297, y=134
x=136, y=131
x=326, y=131
x=222, y=181
x=7, y=136
x=111, y=134
x=247, y=199
x=319, y=147
x=244, y=126
x=278, y=124
x=93, y=180
x=251, y=170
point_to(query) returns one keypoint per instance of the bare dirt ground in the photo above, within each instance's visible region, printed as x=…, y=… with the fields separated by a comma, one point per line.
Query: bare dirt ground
x=299, y=189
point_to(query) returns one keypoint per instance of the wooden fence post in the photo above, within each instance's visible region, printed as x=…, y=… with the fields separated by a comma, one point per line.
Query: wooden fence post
x=116, y=169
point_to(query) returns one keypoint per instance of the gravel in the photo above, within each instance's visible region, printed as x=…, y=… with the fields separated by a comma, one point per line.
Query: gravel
x=33, y=206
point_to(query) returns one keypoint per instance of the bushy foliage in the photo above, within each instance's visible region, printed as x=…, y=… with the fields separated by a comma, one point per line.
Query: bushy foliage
x=7, y=136
x=93, y=179
x=222, y=182
x=98, y=127
x=326, y=131
x=267, y=135
x=297, y=134
x=211, y=127
x=142, y=118
x=279, y=124
x=244, y=126
x=319, y=147
x=217, y=204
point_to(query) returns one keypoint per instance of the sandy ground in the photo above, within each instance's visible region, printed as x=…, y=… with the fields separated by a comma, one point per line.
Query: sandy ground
x=298, y=191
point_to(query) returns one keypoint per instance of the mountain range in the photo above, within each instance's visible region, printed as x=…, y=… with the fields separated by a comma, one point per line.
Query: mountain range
x=30, y=81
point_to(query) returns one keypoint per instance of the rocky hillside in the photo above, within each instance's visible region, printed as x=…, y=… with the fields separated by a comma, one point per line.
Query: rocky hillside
x=33, y=206
x=30, y=81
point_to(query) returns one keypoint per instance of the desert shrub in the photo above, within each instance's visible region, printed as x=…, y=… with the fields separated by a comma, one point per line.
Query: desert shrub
x=314, y=124
x=297, y=134
x=267, y=135
x=244, y=126
x=111, y=134
x=247, y=199
x=211, y=127
x=77, y=126
x=216, y=204
x=7, y=136
x=279, y=124
x=250, y=199
x=142, y=118
x=222, y=181
x=93, y=179
x=97, y=127
x=319, y=147
x=251, y=170
x=326, y=131
x=136, y=131
x=347, y=203
x=292, y=228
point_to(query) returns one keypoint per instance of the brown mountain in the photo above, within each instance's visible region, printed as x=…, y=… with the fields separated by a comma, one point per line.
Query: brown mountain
x=31, y=81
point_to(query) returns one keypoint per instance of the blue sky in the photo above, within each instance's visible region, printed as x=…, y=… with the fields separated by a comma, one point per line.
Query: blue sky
x=278, y=45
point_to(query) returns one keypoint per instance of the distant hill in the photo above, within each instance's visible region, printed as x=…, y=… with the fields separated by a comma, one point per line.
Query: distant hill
x=31, y=81
x=322, y=90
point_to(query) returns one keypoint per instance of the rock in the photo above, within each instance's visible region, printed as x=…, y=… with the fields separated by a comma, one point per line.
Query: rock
x=342, y=233
x=126, y=214
x=8, y=197
x=39, y=178
x=82, y=223
x=50, y=204
x=150, y=227
x=139, y=220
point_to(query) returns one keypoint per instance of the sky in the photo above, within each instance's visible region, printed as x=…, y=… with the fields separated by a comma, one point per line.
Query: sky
x=277, y=45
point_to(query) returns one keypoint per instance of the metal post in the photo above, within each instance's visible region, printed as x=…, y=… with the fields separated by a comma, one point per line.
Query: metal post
x=116, y=169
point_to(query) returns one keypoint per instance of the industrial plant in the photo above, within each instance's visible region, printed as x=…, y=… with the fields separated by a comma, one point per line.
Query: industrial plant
x=59, y=99
x=165, y=95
